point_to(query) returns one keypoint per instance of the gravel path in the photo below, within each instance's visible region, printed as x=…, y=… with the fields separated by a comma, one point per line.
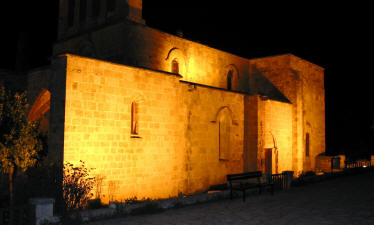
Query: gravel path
x=344, y=200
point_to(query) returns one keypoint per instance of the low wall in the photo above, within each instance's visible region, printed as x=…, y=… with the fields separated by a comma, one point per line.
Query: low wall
x=323, y=162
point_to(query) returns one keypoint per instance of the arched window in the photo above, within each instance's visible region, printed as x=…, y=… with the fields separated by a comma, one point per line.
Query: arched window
x=229, y=79
x=175, y=66
x=134, y=119
x=224, y=136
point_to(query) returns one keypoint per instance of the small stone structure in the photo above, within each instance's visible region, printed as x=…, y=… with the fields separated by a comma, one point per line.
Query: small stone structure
x=43, y=209
x=329, y=164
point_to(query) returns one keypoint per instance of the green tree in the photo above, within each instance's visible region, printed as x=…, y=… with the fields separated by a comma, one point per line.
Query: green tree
x=19, y=138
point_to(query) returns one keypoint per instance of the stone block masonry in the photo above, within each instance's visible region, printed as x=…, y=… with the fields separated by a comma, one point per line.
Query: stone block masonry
x=150, y=134
x=173, y=116
x=139, y=45
x=302, y=84
x=276, y=120
x=176, y=148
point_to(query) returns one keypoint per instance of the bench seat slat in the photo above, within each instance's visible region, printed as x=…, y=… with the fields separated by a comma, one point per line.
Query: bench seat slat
x=244, y=181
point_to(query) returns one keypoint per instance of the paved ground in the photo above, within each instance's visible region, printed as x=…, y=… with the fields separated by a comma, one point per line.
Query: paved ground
x=344, y=200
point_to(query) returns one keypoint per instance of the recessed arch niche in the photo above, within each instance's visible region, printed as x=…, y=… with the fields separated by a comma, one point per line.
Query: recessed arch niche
x=230, y=77
x=224, y=121
x=40, y=110
x=176, y=59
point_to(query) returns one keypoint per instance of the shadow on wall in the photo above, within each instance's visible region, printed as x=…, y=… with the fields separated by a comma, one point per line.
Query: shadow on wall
x=261, y=85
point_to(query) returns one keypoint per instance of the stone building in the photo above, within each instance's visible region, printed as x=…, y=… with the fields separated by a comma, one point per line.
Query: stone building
x=158, y=115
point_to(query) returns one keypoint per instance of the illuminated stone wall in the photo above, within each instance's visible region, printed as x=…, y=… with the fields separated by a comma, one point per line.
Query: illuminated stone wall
x=302, y=83
x=97, y=128
x=313, y=108
x=176, y=149
x=268, y=125
x=135, y=44
x=275, y=131
x=203, y=106
x=293, y=86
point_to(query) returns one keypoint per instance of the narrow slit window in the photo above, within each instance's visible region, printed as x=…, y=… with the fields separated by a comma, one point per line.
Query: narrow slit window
x=229, y=80
x=307, y=144
x=175, y=66
x=134, y=119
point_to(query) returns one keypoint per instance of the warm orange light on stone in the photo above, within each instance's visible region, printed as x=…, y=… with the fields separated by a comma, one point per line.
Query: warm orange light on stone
x=150, y=125
x=176, y=150
x=40, y=106
x=176, y=146
x=40, y=111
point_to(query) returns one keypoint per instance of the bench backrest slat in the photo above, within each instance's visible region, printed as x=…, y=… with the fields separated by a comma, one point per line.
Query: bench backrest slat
x=248, y=175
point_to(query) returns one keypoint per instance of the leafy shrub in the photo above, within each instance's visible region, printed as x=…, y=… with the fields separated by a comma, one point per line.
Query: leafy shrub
x=132, y=200
x=76, y=186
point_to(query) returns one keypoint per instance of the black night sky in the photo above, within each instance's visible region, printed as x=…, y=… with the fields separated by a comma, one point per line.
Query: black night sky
x=336, y=37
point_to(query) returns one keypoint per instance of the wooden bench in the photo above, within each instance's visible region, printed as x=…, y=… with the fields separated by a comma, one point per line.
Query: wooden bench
x=244, y=181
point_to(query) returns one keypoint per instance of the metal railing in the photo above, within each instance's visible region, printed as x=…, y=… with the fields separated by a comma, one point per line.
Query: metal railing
x=279, y=180
x=357, y=164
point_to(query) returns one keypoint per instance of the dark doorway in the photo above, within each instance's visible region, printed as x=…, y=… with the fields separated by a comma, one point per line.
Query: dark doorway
x=268, y=161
